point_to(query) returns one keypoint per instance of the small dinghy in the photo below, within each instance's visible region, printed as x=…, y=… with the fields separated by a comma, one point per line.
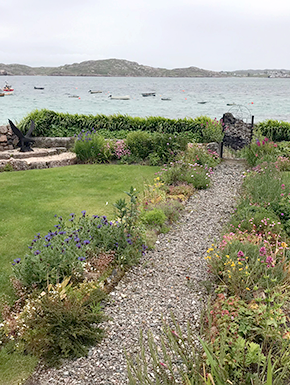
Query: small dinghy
x=125, y=97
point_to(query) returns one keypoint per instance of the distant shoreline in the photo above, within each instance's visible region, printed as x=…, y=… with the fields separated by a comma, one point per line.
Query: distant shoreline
x=125, y=68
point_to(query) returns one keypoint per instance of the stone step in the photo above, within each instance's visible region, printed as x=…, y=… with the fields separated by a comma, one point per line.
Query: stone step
x=36, y=153
x=38, y=162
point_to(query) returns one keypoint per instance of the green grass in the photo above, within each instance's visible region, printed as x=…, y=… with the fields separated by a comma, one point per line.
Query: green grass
x=29, y=201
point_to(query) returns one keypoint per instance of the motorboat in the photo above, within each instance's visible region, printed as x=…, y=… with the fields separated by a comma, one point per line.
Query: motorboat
x=165, y=99
x=95, y=92
x=2, y=93
x=148, y=94
x=39, y=88
x=125, y=97
x=201, y=102
x=7, y=88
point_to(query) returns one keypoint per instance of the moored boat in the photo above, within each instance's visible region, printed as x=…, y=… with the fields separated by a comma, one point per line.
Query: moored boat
x=148, y=94
x=38, y=88
x=125, y=97
x=95, y=92
x=7, y=88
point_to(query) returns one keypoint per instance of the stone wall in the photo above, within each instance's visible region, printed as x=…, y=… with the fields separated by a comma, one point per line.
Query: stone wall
x=8, y=140
x=237, y=133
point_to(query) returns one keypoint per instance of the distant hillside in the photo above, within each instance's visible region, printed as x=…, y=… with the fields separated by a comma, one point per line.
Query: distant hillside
x=109, y=67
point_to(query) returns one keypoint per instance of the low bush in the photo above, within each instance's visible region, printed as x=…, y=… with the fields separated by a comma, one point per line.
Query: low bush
x=260, y=151
x=183, y=172
x=154, y=217
x=61, y=322
x=140, y=144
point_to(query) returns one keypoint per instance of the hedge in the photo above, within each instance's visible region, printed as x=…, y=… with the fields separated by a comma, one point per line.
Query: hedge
x=49, y=123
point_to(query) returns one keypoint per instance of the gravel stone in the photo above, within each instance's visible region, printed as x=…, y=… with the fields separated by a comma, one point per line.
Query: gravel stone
x=167, y=279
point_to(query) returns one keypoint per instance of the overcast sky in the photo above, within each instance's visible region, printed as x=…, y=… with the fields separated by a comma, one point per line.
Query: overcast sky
x=210, y=34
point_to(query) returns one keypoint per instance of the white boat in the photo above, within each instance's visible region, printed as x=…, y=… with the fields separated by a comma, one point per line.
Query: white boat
x=125, y=97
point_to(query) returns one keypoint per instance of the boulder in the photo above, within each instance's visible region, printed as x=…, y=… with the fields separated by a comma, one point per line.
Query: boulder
x=237, y=133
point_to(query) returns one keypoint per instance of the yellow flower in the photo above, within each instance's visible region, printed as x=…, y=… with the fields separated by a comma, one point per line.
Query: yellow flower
x=211, y=249
x=233, y=264
x=284, y=245
x=248, y=288
x=239, y=263
x=227, y=256
x=240, y=269
x=230, y=276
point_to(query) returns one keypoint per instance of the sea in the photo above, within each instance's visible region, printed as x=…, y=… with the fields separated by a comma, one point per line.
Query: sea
x=262, y=98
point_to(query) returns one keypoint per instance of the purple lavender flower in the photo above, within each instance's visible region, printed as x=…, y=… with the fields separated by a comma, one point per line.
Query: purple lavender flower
x=81, y=259
x=37, y=252
x=86, y=242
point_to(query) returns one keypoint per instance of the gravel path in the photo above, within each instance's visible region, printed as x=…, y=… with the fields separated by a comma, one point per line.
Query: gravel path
x=158, y=285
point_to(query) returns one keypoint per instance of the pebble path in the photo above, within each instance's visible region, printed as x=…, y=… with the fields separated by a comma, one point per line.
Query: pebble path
x=167, y=279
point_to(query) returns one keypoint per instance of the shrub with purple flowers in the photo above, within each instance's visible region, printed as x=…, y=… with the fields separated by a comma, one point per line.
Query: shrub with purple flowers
x=62, y=252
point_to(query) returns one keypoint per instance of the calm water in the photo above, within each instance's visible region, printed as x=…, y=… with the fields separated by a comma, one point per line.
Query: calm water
x=264, y=98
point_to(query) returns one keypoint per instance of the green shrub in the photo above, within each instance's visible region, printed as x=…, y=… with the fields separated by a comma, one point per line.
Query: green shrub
x=181, y=171
x=274, y=130
x=62, y=322
x=153, y=217
x=200, y=155
x=260, y=151
x=212, y=131
x=140, y=144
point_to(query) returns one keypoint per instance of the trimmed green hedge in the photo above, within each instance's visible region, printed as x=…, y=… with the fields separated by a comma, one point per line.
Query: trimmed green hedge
x=274, y=130
x=49, y=123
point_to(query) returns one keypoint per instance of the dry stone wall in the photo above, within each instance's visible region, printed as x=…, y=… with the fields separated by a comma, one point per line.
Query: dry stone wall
x=8, y=140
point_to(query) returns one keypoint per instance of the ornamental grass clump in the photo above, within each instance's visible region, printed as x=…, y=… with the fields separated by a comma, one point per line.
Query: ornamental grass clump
x=92, y=147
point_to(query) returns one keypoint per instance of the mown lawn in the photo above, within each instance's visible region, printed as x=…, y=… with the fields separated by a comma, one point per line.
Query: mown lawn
x=30, y=199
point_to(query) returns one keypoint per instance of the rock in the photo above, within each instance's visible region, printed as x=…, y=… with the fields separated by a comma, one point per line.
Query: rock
x=237, y=133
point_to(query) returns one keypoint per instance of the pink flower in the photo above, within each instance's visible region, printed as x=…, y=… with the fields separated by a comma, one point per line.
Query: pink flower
x=263, y=251
x=269, y=261
x=240, y=254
